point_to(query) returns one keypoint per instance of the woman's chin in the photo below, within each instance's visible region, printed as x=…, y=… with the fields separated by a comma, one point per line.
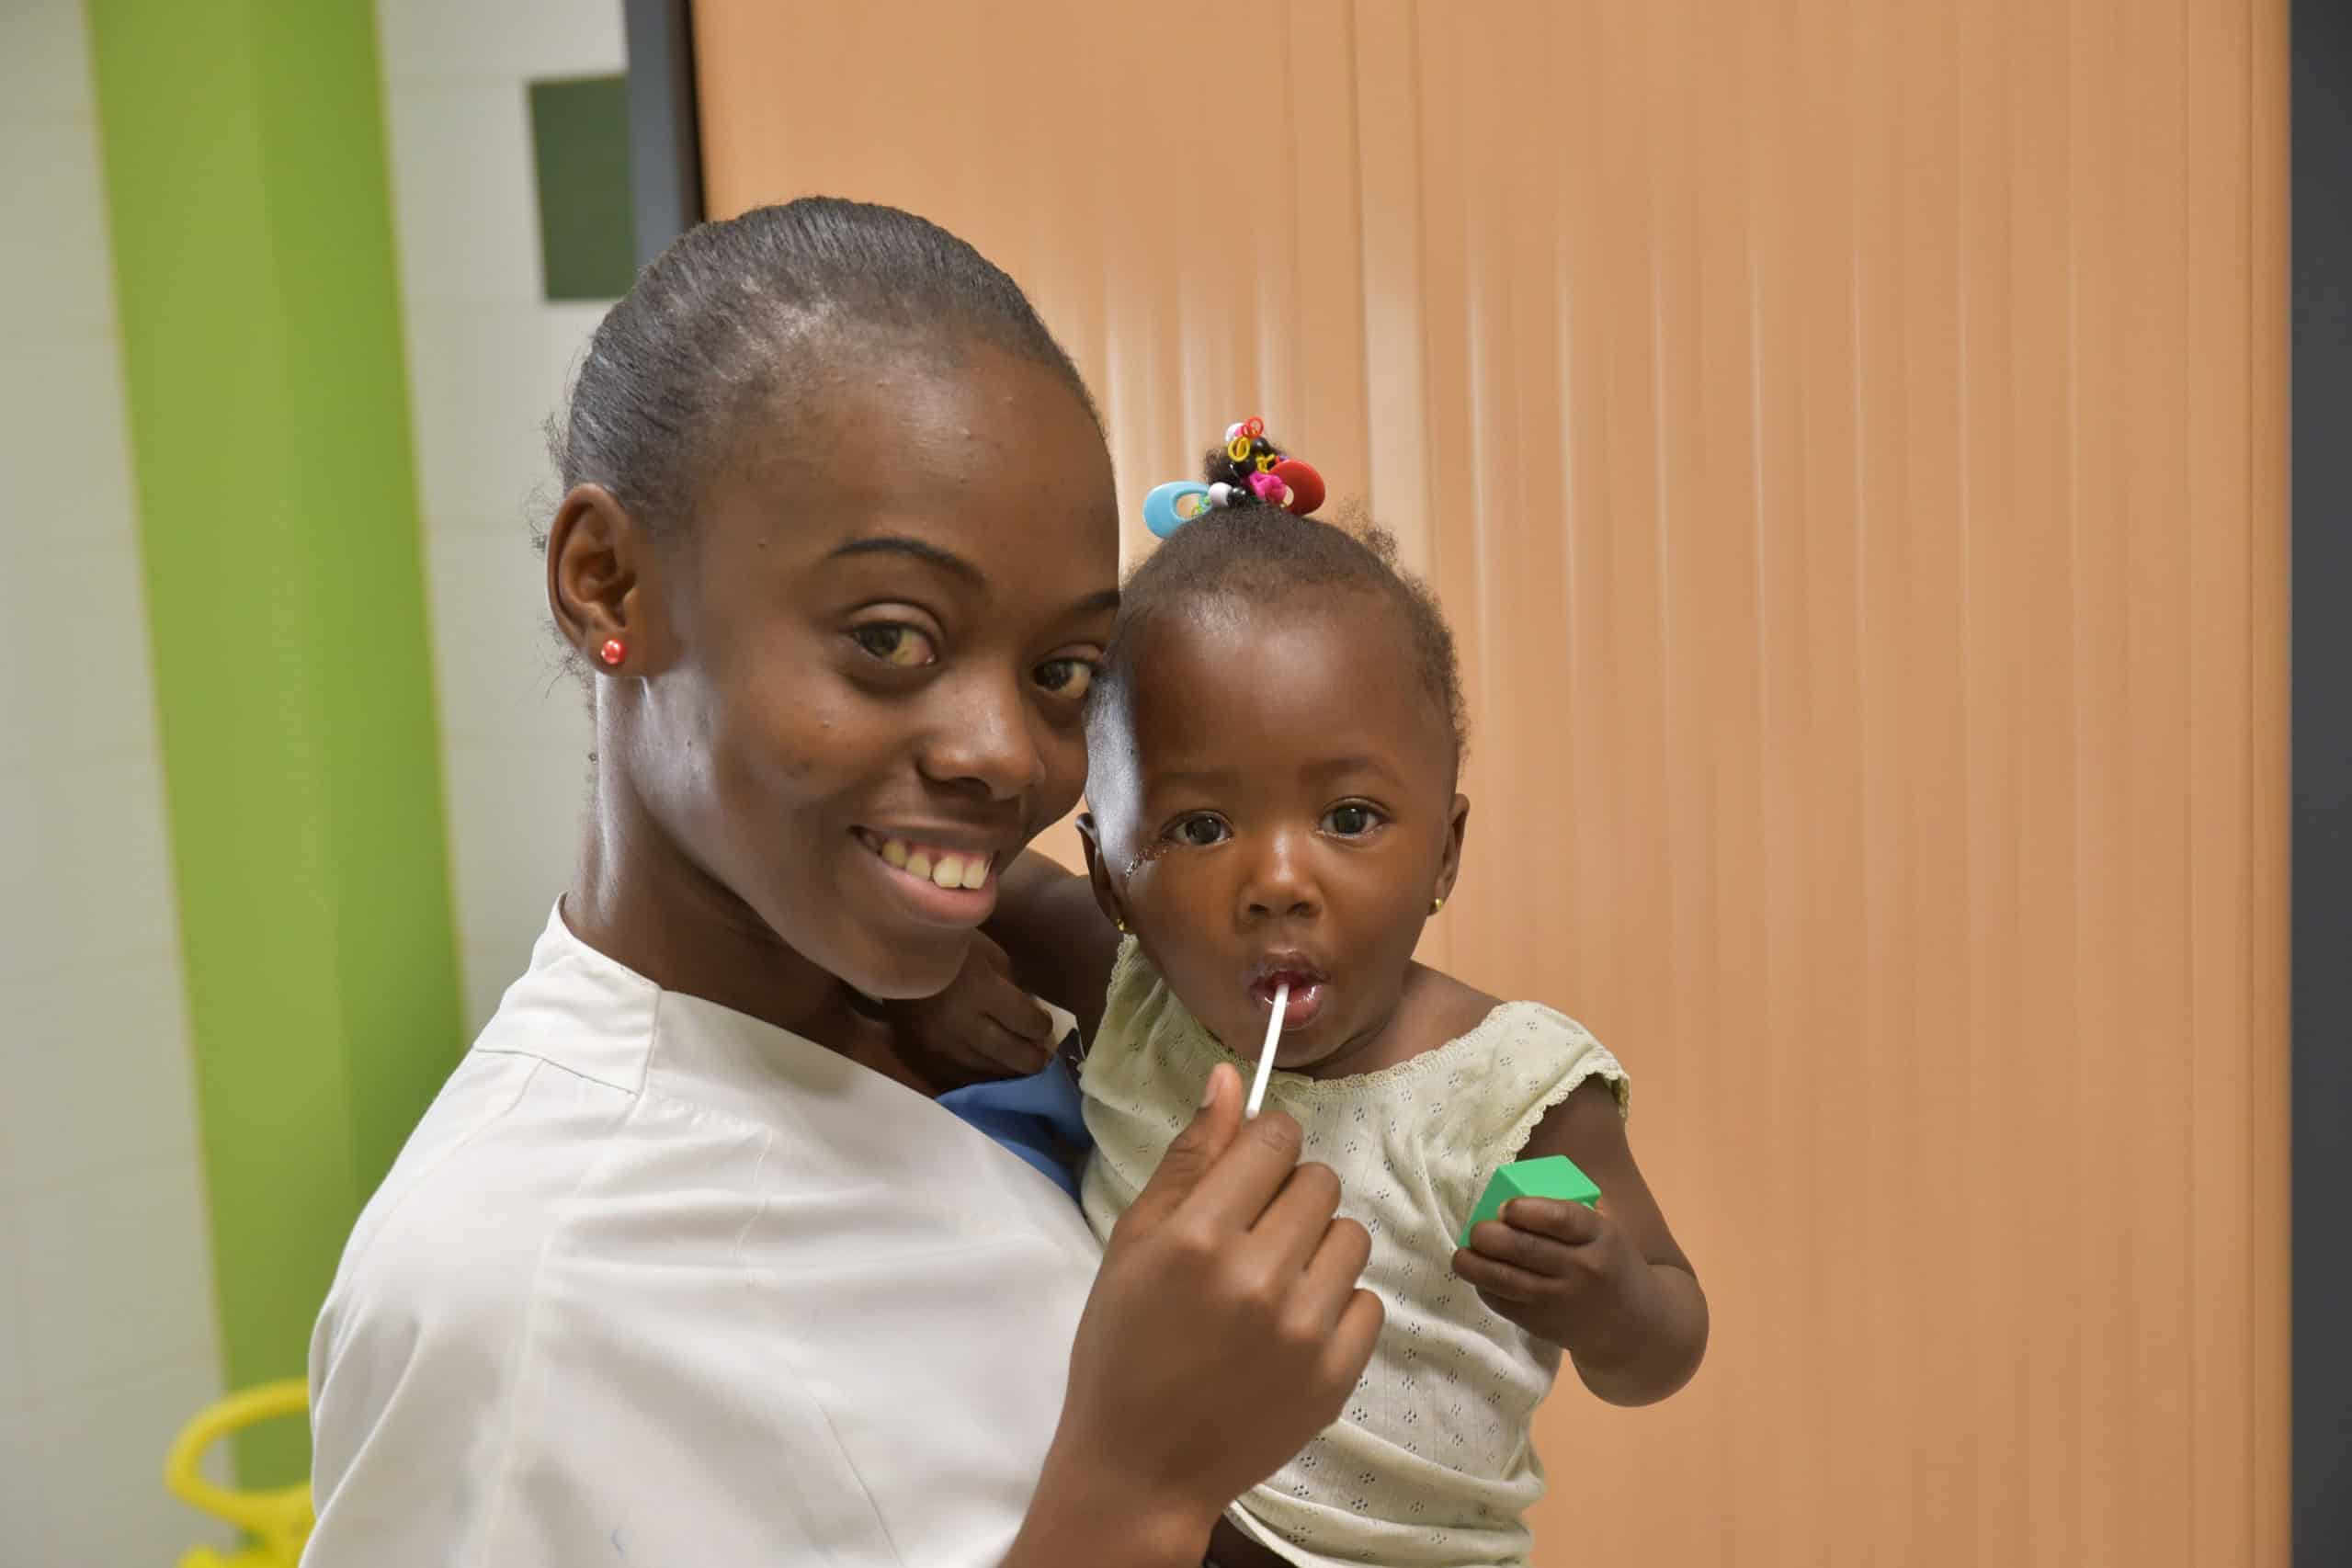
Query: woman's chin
x=897, y=968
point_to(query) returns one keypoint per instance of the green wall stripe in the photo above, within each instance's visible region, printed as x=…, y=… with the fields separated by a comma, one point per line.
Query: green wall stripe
x=256, y=289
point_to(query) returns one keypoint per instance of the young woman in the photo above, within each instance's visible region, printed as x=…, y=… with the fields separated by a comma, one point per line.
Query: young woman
x=685, y=1265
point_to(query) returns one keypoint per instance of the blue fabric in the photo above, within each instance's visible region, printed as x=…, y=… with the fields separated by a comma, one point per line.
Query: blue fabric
x=1040, y=1118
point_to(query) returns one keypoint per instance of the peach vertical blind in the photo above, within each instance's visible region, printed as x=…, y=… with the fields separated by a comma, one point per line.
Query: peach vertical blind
x=1849, y=436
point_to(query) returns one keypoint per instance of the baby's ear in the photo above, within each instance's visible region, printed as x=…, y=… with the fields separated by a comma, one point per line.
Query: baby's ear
x=1449, y=864
x=1098, y=870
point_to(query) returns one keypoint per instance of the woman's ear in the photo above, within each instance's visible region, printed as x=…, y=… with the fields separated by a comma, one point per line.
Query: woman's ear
x=1098, y=872
x=1449, y=864
x=599, y=573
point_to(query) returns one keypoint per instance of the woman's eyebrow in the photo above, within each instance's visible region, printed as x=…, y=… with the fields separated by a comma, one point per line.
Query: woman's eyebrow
x=899, y=544
x=949, y=561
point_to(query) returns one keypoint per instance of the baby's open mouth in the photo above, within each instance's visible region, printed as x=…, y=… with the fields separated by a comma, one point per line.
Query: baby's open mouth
x=1303, y=976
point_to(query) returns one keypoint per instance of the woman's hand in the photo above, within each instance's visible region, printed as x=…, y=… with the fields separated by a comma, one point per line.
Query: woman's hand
x=1224, y=1331
x=982, y=1027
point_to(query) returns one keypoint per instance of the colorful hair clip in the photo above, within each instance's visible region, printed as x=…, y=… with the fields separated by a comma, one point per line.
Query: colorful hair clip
x=1306, y=485
x=1171, y=505
x=1269, y=477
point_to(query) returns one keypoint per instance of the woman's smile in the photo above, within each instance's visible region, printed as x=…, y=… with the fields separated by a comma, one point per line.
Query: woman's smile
x=943, y=876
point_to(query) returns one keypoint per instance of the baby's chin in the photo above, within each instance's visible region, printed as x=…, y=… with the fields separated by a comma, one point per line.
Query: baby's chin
x=1303, y=1051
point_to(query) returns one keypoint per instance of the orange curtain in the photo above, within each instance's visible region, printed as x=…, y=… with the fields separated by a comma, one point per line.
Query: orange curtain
x=1849, y=436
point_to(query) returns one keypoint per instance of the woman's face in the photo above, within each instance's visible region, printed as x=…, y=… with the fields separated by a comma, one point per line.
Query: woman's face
x=876, y=637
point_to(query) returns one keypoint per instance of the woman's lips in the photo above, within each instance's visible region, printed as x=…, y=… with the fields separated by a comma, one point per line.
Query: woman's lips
x=941, y=885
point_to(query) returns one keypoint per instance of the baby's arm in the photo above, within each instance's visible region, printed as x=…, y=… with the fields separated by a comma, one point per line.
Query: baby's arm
x=1054, y=944
x=1061, y=944
x=1607, y=1285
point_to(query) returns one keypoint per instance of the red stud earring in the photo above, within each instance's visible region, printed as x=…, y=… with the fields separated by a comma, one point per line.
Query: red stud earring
x=613, y=652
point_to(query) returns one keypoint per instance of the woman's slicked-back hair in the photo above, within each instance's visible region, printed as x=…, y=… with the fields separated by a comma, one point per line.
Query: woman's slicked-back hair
x=756, y=311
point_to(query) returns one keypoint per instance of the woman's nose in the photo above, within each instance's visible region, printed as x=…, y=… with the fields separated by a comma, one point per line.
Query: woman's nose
x=984, y=739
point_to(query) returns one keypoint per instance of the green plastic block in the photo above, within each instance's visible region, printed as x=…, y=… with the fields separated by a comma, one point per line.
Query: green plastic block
x=1553, y=1177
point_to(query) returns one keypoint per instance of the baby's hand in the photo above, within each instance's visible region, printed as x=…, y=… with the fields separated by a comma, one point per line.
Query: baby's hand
x=982, y=1027
x=1562, y=1271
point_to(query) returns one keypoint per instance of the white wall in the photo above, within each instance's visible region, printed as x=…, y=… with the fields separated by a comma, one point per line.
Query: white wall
x=107, y=1334
x=108, y=1338
x=488, y=362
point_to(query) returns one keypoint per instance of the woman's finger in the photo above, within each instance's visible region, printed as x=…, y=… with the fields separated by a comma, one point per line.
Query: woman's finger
x=1196, y=1153
x=1249, y=1171
x=1350, y=1349
x=1329, y=1280
x=1295, y=1223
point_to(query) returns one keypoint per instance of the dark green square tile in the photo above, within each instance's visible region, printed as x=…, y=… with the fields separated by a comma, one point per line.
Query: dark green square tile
x=579, y=145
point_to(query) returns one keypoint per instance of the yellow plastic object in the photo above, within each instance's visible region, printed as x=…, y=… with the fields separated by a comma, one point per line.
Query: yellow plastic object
x=279, y=1521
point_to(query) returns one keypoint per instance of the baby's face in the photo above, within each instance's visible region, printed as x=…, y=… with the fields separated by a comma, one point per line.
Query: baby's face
x=1293, y=817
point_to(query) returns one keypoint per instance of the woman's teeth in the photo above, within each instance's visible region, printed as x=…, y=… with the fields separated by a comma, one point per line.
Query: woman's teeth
x=941, y=868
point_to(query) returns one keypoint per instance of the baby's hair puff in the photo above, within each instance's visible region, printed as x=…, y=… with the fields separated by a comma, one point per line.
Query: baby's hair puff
x=1240, y=535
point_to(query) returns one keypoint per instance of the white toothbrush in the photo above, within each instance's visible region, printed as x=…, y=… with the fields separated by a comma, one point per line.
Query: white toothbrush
x=1265, y=1057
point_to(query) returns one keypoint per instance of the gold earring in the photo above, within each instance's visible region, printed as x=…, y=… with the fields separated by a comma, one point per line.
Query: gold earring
x=1121, y=923
x=1436, y=903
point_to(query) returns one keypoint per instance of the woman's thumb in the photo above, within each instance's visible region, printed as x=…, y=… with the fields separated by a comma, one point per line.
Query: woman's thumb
x=1196, y=1149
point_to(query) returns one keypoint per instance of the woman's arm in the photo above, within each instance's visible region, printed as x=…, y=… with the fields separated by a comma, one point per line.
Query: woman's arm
x=1607, y=1285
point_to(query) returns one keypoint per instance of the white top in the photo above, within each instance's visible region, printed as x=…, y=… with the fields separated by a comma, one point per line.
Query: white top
x=655, y=1283
x=1430, y=1465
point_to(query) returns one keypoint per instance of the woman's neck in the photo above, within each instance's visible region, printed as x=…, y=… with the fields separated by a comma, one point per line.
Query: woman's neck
x=640, y=901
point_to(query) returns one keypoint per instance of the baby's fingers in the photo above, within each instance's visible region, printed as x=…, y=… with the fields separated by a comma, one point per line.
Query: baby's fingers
x=1018, y=1013
x=1539, y=1255
x=1503, y=1282
x=1572, y=1222
x=1017, y=1054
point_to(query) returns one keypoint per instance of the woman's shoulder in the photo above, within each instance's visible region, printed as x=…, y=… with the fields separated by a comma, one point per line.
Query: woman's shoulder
x=453, y=1229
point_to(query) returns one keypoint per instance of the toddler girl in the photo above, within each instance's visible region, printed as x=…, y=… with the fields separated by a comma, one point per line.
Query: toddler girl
x=1274, y=740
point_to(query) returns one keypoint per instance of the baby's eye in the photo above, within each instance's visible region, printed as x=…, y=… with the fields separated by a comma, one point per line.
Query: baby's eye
x=1067, y=678
x=1350, y=821
x=896, y=644
x=1200, y=832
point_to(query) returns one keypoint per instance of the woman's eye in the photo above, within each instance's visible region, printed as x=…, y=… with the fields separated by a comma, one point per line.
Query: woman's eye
x=1072, y=679
x=1350, y=821
x=1200, y=832
x=895, y=644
